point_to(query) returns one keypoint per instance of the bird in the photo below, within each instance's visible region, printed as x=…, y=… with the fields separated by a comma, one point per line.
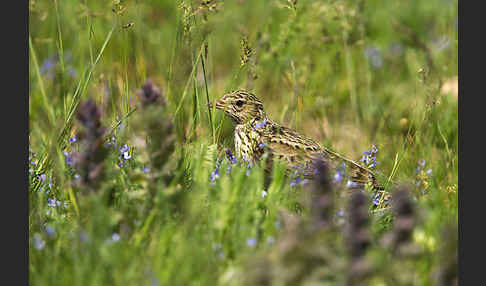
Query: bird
x=255, y=133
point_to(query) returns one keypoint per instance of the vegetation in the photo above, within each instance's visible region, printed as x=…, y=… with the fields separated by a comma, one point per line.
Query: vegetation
x=131, y=175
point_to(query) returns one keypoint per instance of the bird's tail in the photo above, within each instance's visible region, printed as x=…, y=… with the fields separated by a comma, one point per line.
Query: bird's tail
x=357, y=173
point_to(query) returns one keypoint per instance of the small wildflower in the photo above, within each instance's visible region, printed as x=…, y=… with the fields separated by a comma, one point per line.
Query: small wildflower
x=338, y=176
x=51, y=203
x=340, y=213
x=264, y=193
x=374, y=57
x=145, y=170
x=350, y=184
x=126, y=155
x=376, y=199
x=421, y=162
x=251, y=242
x=369, y=159
x=214, y=175
x=39, y=243
x=230, y=156
x=115, y=237
x=50, y=231
x=69, y=159
x=73, y=139
x=260, y=125
x=84, y=237
x=112, y=142
x=43, y=177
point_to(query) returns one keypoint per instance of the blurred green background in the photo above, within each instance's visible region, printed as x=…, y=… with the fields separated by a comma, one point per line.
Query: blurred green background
x=350, y=74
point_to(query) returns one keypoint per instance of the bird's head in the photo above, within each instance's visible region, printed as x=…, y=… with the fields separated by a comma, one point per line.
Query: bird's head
x=241, y=106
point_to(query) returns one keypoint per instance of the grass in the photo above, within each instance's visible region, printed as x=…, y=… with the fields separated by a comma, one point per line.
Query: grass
x=350, y=74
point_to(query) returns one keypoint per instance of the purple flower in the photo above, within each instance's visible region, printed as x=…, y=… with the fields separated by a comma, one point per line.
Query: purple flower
x=73, y=139
x=298, y=181
x=48, y=67
x=260, y=125
x=125, y=152
x=51, y=203
x=50, y=231
x=43, y=177
x=374, y=57
x=39, y=243
x=376, y=199
x=351, y=184
x=145, y=170
x=251, y=242
x=338, y=176
x=230, y=156
x=374, y=149
x=69, y=159
x=115, y=237
x=214, y=175
x=112, y=142
x=368, y=158
x=262, y=145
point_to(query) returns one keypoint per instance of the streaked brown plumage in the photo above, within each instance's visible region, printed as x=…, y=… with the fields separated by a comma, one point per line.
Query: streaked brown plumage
x=255, y=133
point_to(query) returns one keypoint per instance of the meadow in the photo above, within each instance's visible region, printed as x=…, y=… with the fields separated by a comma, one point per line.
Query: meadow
x=132, y=179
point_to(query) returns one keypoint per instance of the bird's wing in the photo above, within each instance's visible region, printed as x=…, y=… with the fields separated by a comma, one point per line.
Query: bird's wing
x=287, y=144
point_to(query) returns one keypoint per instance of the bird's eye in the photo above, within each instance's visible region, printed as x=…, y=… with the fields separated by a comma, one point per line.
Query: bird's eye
x=239, y=103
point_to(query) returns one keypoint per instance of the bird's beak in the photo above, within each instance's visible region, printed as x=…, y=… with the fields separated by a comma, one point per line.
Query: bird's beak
x=219, y=105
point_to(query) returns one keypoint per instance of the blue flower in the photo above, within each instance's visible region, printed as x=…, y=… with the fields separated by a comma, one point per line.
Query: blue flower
x=260, y=125
x=73, y=139
x=376, y=199
x=47, y=68
x=374, y=149
x=145, y=170
x=340, y=213
x=50, y=231
x=421, y=162
x=368, y=158
x=125, y=152
x=351, y=184
x=214, y=175
x=230, y=156
x=298, y=181
x=39, y=243
x=69, y=159
x=374, y=57
x=262, y=145
x=338, y=176
x=251, y=242
x=124, y=148
x=112, y=142
x=115, y=237
x=43, y=177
